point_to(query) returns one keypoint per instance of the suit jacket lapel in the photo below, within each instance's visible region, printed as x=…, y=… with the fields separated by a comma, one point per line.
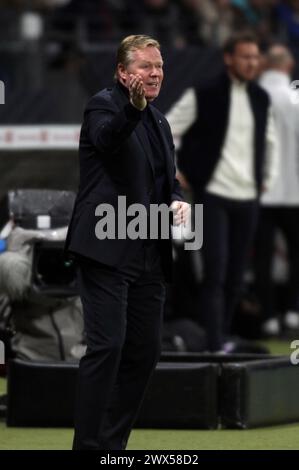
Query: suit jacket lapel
x=167, y=154
x=145, y=144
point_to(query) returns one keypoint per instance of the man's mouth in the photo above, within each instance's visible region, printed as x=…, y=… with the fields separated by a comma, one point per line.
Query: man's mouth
x=154, y=84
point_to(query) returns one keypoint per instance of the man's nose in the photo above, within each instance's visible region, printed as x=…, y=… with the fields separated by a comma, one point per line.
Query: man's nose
x=155, y=71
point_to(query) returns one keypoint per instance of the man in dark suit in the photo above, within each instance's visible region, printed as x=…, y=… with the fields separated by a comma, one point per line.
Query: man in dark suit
x=126, y=149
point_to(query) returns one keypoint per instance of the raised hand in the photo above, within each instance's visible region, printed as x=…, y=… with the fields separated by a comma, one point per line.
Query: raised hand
x=137, y=94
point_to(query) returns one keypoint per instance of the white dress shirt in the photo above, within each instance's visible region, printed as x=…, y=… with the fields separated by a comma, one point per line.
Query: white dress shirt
x=233, y=176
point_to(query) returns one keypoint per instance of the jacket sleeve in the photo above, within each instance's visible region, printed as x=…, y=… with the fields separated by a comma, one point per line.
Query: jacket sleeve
x=176, y=194
x=107, y=127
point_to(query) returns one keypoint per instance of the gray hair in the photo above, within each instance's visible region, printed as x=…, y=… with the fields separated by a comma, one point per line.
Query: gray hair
x=130, y=44
x=278, y=55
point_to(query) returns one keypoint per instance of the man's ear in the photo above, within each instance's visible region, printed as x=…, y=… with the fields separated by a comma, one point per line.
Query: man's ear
x=122, y=73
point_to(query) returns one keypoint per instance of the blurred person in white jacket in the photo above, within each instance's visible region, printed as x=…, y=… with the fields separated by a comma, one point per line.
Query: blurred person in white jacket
x=280, y=205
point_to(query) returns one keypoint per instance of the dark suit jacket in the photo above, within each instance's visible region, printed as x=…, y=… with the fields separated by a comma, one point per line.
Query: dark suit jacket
x=202, y=144
x=116, y=159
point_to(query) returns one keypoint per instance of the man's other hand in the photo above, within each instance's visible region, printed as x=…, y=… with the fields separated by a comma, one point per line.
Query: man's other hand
x=181, y=212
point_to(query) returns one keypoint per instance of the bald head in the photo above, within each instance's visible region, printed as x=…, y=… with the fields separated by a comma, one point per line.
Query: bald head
x=279, y=57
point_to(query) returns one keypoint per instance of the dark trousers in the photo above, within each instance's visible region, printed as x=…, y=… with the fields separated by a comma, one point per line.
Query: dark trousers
x=271, y=219
x=123, y=322
x=228, y=229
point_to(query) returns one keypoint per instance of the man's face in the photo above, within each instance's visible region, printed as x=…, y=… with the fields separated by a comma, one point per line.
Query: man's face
x=243, y=63
x=148, y=64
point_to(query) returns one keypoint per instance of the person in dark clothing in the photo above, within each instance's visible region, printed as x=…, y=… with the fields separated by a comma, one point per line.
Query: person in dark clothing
x=126, y=149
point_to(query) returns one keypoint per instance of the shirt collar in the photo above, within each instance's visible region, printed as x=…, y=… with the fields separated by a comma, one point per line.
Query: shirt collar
x=238, y=84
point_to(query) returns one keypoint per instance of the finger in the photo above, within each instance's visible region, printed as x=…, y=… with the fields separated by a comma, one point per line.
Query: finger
x=186, y=213
x=139, y=88
x=180, y=212
x=174, y=206
x=133, y=84
x=133, y=81
x=177, y=220
x=137, y=78
x=186, y=209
